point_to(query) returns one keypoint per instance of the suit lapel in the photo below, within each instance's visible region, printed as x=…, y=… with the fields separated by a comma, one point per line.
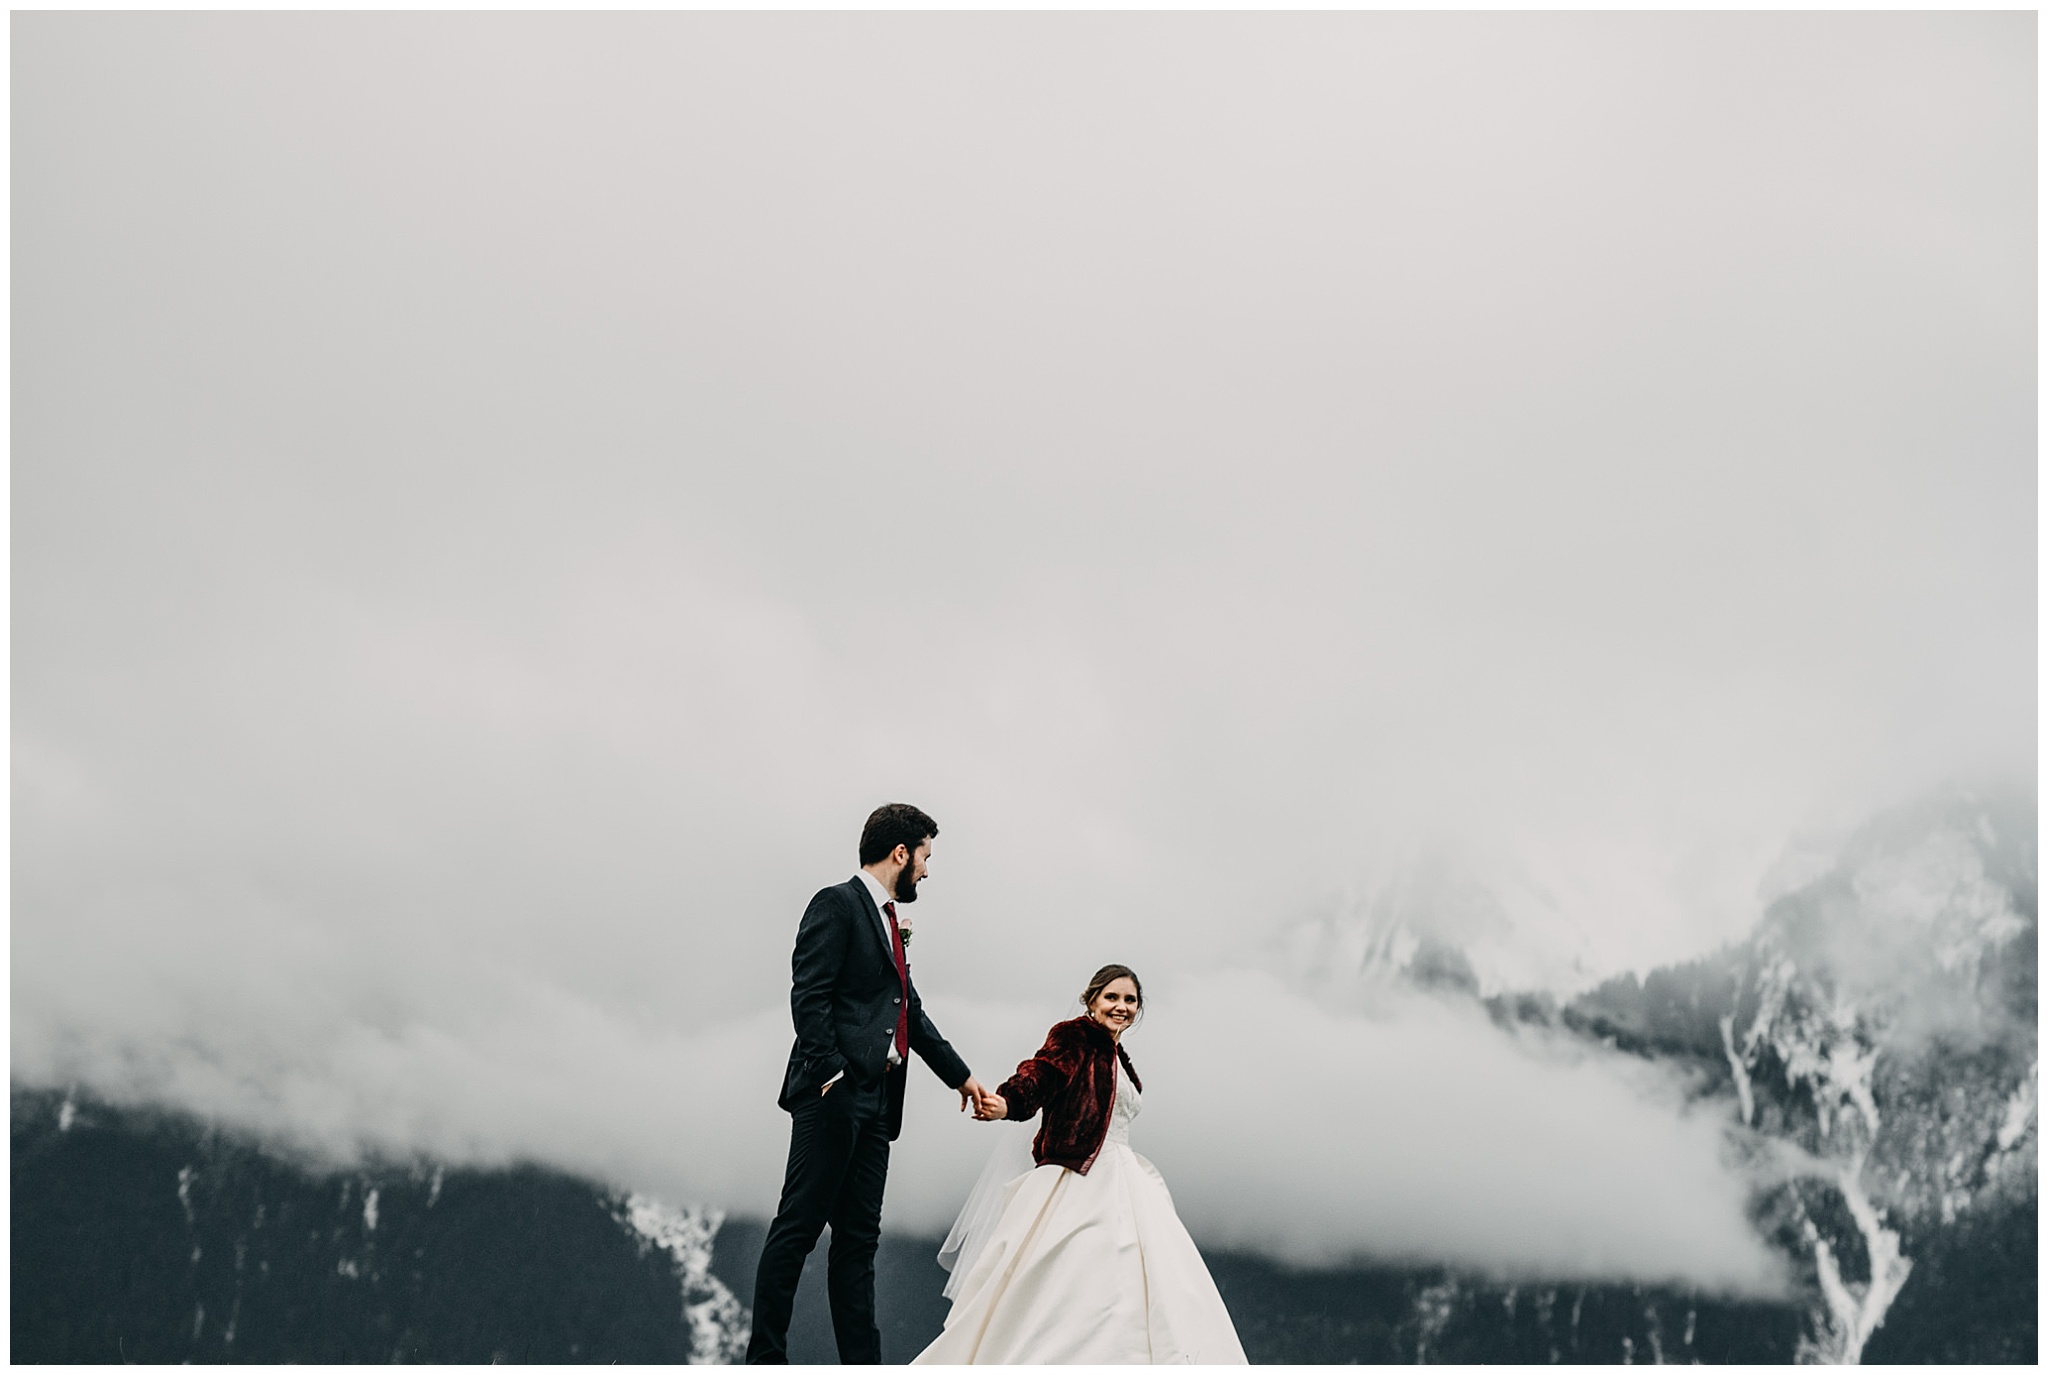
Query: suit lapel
x=877, y=923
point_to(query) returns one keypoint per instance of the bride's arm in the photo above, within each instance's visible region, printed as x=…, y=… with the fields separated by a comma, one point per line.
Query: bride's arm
x=1038, y=1079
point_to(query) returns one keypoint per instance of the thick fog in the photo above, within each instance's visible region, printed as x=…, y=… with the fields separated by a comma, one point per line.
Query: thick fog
x=497, y=499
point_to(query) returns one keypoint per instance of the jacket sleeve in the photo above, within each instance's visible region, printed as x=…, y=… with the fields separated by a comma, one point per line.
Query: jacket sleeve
x=932, y=1047
x=814, y=967
x=1039, y=1079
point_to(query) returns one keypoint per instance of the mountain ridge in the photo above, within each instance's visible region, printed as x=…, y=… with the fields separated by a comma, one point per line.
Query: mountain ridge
x=1872, y=1045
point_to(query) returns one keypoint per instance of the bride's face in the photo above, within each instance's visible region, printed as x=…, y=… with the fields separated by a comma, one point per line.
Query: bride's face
x=1116, y=1006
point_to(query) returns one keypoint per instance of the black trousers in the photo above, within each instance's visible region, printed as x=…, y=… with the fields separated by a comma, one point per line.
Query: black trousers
x=838, y=1164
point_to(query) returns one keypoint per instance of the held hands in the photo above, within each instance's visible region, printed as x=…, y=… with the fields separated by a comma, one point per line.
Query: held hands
x=987, y=1106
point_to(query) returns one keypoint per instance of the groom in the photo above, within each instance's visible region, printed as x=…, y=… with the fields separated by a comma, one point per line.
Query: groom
x=857, y=1019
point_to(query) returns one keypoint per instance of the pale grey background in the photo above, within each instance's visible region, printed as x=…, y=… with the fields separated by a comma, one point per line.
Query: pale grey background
x=498, y=498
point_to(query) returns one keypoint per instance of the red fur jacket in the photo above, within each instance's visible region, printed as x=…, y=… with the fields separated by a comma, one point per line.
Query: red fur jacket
x=1072, y=1078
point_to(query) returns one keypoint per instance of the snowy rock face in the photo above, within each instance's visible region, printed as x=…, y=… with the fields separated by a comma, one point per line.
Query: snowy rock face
x=719, y=1325
x=146, y=1236
x=1880, y=1034
x=1873, y=1046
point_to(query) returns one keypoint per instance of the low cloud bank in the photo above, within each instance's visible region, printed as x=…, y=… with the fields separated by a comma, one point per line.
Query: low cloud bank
x=1419, y=1132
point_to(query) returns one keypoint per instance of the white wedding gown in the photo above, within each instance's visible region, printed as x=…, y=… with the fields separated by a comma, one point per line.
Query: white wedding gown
x=1091, y=1269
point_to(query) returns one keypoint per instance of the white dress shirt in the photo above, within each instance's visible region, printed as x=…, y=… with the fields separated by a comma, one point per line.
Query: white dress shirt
x=882, y=895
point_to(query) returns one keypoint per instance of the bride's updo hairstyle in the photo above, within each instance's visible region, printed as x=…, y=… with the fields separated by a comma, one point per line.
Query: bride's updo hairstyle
x=1106, y=976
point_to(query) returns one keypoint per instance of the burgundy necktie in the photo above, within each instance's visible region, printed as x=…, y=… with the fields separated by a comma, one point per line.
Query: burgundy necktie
x=902, y=978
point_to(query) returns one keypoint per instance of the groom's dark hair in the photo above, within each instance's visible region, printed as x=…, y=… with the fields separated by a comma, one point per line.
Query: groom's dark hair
x=893, y=824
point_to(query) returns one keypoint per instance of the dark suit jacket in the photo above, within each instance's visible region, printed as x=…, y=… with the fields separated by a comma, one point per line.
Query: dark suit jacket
x=844, y=996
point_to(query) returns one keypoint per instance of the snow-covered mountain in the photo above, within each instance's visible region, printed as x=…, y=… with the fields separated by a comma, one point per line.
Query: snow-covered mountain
x=1871, y=1045
x=1883, y=1028
x=141, y=1235
x=147, y=1236
x=1874, y=1039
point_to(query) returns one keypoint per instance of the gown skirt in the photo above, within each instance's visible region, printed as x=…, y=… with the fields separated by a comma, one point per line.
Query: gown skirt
x=1092, y=1268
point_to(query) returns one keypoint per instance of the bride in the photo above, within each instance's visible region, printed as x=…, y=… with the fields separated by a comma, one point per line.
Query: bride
x=1083, y=1259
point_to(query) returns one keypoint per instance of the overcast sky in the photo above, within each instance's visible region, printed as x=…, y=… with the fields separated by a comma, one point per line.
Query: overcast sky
x=497, y=499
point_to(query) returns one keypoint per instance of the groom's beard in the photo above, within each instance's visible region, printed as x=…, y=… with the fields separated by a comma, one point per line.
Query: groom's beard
x=906, y=886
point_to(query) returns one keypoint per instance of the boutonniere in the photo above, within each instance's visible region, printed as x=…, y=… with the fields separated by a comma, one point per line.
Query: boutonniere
x=903, y=930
